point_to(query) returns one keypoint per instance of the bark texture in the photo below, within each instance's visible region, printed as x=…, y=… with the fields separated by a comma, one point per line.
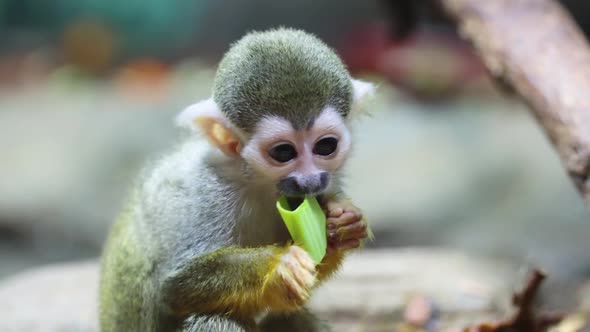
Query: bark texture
x=537, y=48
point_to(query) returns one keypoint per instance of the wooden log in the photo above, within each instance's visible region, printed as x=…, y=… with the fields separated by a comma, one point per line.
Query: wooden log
x=537, y=48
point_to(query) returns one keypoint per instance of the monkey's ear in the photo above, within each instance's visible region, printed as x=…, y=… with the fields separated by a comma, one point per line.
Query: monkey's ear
x=361, y=91
x=206, y=117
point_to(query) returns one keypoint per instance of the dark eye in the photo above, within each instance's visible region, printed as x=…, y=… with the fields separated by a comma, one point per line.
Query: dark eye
x=283, y=152
x=326, y=146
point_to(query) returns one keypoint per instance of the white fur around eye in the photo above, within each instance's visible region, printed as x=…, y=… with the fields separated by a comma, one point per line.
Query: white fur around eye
x=330, y=123
x=329, y=118
x=274, y=128
x=269, y=131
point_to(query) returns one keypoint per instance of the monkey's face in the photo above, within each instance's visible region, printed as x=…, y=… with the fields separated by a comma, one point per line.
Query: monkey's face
x=299, y=160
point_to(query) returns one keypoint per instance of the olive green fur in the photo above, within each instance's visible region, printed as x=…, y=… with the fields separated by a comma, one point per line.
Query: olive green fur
x=216, y=323
x=302, y=321
x=127, y=304
x=124, y=273
x=200, y=238
x=283, y=72
x=205, y=290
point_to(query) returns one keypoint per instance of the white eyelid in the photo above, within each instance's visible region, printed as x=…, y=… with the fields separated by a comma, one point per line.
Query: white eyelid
x=274, y=145
x=337, y=137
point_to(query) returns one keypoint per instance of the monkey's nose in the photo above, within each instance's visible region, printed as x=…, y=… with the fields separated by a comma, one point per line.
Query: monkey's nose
x=304, y=185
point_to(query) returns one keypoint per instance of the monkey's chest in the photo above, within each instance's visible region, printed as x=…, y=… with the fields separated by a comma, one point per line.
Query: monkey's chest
x=261, y=230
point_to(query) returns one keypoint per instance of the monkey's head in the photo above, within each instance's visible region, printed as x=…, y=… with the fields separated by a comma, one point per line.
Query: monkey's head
x=281, y=104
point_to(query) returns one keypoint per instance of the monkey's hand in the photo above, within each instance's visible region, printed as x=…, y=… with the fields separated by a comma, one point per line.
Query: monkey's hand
x=288, y=287
x=346, y=226
x=346, y=229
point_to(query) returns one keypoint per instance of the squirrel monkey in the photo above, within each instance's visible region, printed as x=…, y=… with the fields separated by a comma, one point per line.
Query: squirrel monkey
x=201, y=246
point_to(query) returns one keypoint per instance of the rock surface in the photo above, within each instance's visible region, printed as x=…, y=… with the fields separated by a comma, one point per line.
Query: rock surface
x=369, y=294
x=51, y=298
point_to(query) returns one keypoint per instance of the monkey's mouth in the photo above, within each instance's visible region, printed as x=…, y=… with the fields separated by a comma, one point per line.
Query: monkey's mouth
x=295, y=201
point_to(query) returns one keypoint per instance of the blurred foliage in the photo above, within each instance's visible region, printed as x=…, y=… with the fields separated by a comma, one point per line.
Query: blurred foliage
x=140, y=26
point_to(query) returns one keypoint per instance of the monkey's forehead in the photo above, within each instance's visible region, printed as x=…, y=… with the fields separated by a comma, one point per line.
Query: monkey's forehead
x=281, y=72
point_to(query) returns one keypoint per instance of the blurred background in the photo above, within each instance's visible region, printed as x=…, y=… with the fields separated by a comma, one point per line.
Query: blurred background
x=88, y=90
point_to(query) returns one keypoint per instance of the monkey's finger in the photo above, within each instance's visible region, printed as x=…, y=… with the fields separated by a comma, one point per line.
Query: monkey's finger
x=356, y=214
x=349, y=244
x=335, y=212
x=302, y=274
x=295, y=279
x=303, y=258
x=304, y=278
x=344, y=205
x=337, y=239
x=358, y=236
x=334, y=208
x=345, y=219
x=294, y=291
x=352, y=208
x=357, y=230
x=287, y=279
x=336, y=235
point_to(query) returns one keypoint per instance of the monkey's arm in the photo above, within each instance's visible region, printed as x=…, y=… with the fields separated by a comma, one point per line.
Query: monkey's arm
x=347, y=230
x=240, y=281
x=329, y=265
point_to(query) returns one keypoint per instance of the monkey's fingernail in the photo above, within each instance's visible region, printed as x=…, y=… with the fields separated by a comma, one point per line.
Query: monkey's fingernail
x=331, y=225
x=336, y=212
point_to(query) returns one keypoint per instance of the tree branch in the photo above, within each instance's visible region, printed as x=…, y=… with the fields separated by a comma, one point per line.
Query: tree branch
x=536, y=47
